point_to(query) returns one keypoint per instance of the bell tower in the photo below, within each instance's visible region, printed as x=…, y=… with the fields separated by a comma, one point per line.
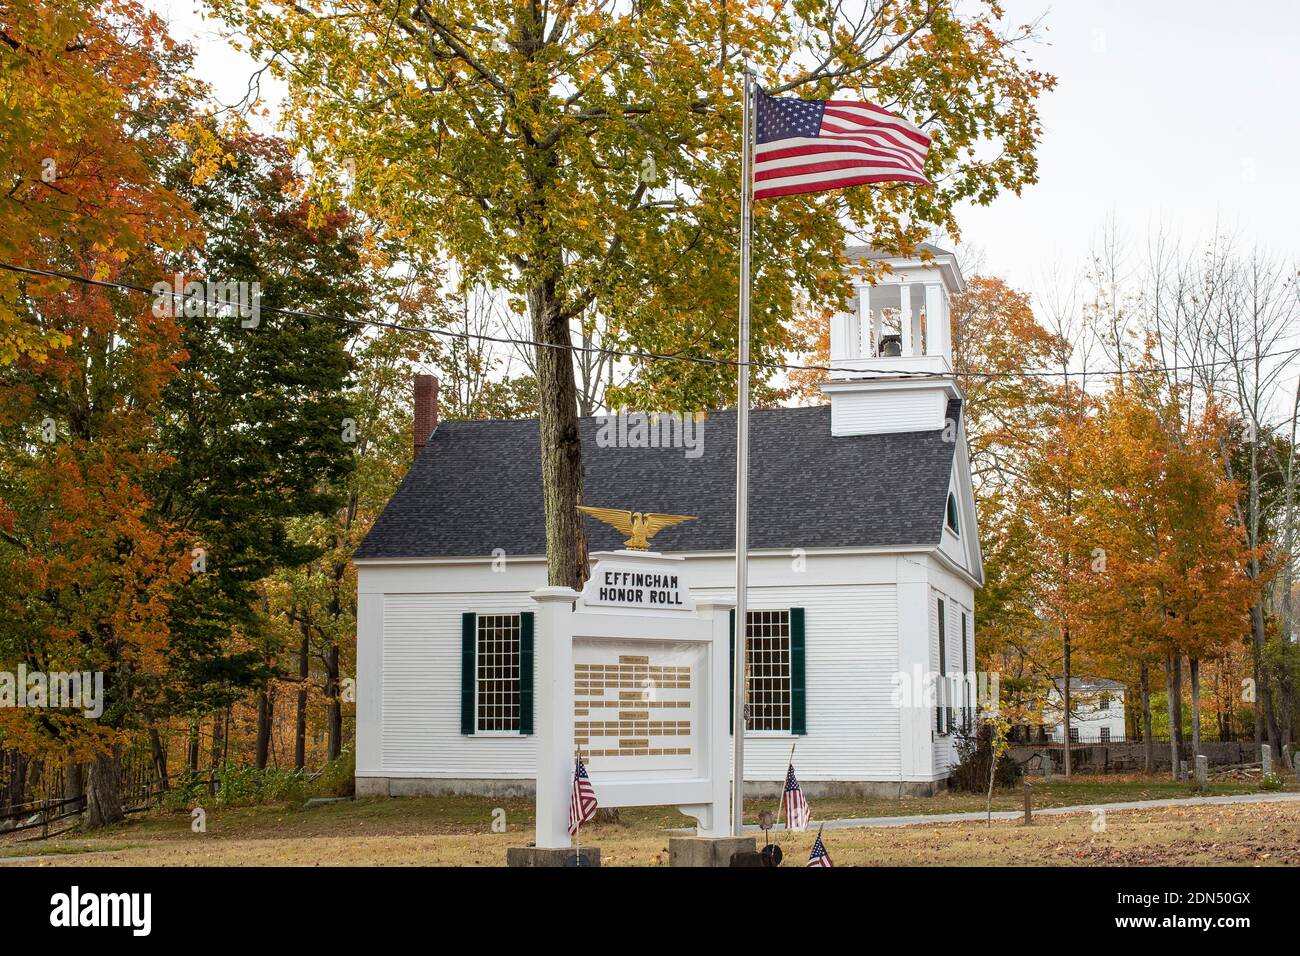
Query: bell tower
x=892, y=355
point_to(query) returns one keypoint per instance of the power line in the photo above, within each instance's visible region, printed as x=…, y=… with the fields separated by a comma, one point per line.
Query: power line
x=642, y=355
x=499, y=339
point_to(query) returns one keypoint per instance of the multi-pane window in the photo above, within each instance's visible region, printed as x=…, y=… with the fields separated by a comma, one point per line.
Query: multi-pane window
x=1105, y=735
x=1074, y=735
x=965, y=679
x=1104, y=702
x=498, y=672
x=941, y=716
x=767, y=668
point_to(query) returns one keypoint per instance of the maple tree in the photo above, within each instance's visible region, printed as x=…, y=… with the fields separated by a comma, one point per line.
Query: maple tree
x=1169, y=575
x=79, y=82
x=585, y=154
x=86, y=560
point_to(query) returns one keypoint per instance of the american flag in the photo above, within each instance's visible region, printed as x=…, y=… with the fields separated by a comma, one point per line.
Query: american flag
x=582, y=804
x=819, y=856
x=795, y=806
x=813, y=145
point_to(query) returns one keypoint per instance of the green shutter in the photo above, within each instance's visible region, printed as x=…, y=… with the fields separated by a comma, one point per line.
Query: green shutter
x=526, y=672
x=731, y=683
x=468, y=637
x=943, y=673
x=798, y=699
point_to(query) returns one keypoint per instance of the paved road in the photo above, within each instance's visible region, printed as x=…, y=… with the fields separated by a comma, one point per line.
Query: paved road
x=1045, y=811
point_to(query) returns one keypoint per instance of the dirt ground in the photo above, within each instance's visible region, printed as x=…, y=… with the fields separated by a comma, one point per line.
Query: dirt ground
x=461, y=831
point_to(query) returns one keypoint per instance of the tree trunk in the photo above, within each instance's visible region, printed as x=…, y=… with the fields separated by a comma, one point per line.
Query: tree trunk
x=1177, y=725
x=218, y=756
x=300, y=729
x=1065, y=695
x=1149, y=745
x=1265, y=726
x=104, y=790
x=159, y=753
x=192, y=751
x=17, y=782
x=334, y=709
x=73, y=788
x=562, y=477
x=264, y=714
x=1173, y=719
x=1194, y=666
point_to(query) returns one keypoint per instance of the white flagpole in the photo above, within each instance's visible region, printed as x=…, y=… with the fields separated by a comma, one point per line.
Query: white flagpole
x=742, y=460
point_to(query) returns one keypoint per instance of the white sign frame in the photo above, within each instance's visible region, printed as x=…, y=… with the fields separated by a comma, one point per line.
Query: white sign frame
x=563, y=617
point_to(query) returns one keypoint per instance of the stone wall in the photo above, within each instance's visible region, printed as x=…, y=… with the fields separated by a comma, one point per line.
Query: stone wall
x=1126, y=757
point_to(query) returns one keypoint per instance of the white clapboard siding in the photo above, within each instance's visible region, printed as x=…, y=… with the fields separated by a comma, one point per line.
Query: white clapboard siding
x=910, y=410
x=945, y=751
x=421, y=690
x=851, y=657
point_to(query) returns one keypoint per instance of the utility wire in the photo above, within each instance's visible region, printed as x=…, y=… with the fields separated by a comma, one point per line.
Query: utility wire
x=642, y=355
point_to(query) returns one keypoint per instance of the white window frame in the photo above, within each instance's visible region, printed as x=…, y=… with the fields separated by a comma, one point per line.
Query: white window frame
x=479, y=730
x=788, y=677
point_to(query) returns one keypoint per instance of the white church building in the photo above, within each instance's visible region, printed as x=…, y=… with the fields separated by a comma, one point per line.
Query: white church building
x=864, y=560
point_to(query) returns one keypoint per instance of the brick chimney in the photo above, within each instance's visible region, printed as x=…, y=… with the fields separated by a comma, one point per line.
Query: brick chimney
x=426, y=410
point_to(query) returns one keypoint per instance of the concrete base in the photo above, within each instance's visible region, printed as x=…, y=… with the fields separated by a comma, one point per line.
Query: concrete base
x=442, y=786
x=849, y=789
x=706, y=851
x=755, y=789
x=541, y=856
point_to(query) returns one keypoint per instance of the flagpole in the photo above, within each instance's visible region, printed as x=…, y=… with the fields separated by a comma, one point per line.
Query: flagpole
x=780, y=801
x=742, y=462
x=577, y=831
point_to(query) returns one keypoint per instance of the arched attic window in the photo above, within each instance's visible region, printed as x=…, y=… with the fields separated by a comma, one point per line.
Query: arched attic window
x=952, y=513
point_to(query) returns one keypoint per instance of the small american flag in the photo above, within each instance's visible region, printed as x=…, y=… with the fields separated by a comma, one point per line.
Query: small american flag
x=795, y=806
x=582, y=805
x=819, y=856
x=815, y=145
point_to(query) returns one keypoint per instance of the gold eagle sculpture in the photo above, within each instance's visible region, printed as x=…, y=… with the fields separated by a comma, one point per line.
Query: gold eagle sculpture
x=639, y=526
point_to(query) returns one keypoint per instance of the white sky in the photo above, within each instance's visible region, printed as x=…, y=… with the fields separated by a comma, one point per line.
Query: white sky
x=1173, y=114
x=1178, y=113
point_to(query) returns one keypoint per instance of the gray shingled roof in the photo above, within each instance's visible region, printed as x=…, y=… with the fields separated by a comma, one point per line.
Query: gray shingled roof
x=477, y=487
x=872, y=252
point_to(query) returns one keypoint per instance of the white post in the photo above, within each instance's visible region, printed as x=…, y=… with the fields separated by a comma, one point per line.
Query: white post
x=553, y=721
x=905, y=317
x=742, y=454
x=718, y=823
x=867, y=323
x=937, y=332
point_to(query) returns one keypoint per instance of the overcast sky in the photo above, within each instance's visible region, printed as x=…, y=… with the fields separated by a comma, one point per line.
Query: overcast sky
x=1174, y=114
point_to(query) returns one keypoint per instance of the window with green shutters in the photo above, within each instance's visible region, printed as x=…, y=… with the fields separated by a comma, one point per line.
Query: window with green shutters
x=966, y=715
x=775, y=672
x=941, y=697
x=496, y=685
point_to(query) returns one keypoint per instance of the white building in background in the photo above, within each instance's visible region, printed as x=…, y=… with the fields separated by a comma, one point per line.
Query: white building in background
x=863, y=567
x=1096, y=707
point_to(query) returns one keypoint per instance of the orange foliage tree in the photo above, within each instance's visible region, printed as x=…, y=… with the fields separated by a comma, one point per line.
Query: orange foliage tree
x=85, y=563
x=1166, y=572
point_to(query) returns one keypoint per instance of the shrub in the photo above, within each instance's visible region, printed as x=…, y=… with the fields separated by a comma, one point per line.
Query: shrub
x=974, y=756
x=188, y=789
x=1270, y=781
x=338, y=779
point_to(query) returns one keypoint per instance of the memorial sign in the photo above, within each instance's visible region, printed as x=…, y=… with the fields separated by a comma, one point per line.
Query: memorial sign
x=634, y=672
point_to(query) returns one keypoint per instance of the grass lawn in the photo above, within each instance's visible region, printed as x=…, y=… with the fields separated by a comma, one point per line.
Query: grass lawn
x=1109, y=788
x=458, y=831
